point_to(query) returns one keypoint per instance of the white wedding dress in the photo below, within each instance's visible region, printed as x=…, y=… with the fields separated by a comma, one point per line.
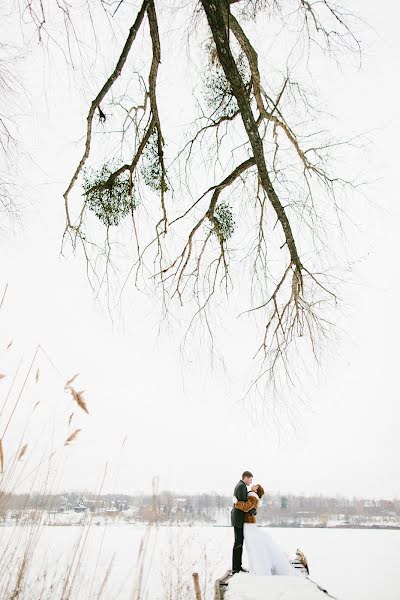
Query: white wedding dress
x=264, y=555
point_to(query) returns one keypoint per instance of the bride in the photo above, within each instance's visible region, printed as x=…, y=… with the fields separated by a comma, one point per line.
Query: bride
x=264, y=555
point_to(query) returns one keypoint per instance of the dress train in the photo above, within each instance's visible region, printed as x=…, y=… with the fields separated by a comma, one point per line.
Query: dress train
x=264, y=555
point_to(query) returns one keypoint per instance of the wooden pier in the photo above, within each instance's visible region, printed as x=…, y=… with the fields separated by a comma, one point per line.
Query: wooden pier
x=271, y=587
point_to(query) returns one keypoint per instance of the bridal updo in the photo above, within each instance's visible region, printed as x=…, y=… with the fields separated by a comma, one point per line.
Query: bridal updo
x=260, y=491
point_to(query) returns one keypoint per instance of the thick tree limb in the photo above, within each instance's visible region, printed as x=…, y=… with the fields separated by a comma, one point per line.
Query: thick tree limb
x=216, y=16
x=155, y=39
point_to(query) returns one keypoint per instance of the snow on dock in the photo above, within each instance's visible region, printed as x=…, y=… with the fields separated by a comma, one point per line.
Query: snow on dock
x=243, y=586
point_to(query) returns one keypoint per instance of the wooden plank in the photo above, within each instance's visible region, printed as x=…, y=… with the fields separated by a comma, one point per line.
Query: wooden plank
x=221, y=585
x=196, y=584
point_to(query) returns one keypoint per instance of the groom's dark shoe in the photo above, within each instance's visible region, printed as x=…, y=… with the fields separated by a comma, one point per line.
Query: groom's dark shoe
x=241, y=570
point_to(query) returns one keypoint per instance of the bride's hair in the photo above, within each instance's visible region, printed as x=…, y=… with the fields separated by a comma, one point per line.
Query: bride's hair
x=260, y=491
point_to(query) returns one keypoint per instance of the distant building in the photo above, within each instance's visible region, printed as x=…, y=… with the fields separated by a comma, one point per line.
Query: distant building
x=180, y=504
x=80, y=506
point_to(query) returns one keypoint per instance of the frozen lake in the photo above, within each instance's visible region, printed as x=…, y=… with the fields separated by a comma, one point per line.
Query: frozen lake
x=81, y=561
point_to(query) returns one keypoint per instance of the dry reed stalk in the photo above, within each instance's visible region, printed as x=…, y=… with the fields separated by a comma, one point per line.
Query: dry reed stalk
x=20, y=576
x=139, y=577
x=20, y=392
x=1, y=456
x=71, y=437
x=37, y=376
x=68, y=384
x=103, y=584
x=73, y=569
x=70, y=419
x=22, y=451
x=155, y=483
x=4, y=294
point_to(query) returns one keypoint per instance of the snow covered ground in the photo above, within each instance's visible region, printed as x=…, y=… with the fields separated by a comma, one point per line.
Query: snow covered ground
x=350, y=564
x=250, y=587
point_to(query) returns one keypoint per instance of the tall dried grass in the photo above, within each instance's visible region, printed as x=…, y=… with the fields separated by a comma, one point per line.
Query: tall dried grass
x=22, y=574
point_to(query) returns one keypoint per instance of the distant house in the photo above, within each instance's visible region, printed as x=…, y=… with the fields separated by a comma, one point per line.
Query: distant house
x=65, y=505
x=116, y=506
x=180, y=504
x=121, y=504
x=80, y=506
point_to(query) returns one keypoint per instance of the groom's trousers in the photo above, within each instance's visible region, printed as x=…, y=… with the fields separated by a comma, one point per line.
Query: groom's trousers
x=237, y=549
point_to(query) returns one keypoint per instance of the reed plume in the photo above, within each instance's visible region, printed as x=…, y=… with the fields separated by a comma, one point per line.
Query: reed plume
x=79, y=399
x=77, y=396
x=71, y=437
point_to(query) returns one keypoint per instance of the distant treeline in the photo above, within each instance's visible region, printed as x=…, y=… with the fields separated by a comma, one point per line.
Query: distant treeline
x=276, y=508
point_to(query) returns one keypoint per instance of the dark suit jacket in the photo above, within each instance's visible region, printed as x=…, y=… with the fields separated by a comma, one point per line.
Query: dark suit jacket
x=237, y=516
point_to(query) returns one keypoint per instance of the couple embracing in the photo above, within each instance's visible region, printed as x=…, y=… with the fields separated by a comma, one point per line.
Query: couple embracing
x=264, y=555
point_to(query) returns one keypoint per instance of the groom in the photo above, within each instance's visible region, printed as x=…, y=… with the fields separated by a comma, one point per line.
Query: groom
x=237, y=520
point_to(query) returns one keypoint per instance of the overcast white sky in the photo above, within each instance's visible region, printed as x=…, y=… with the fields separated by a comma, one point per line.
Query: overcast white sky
x=182, y=421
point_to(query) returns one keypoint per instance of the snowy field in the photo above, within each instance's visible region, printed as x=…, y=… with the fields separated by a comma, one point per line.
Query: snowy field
x=350, y=564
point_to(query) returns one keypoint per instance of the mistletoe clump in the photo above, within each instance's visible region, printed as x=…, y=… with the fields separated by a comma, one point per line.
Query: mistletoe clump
x=216, y=88
x=110, y=201
x=151, y=165
x=224, y=222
